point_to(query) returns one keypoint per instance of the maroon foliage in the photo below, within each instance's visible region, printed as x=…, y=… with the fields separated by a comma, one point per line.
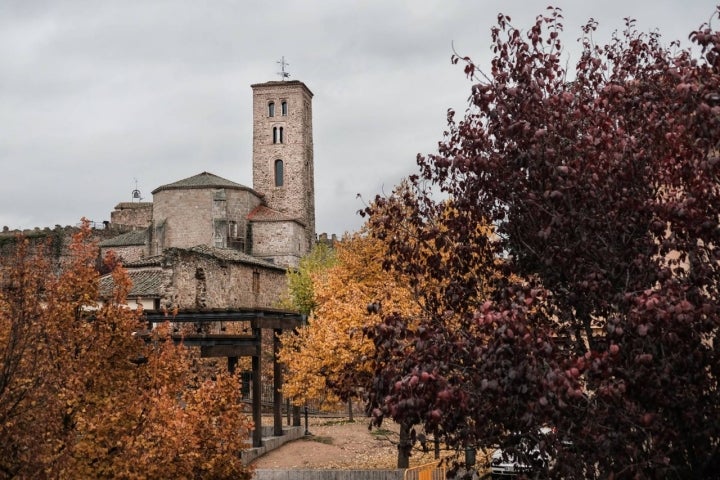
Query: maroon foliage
x=602, y=186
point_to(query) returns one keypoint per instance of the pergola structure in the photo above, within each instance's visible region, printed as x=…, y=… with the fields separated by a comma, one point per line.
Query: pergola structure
x=233, y=346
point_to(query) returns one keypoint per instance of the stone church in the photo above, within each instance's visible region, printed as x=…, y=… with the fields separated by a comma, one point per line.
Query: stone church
x=208, y=242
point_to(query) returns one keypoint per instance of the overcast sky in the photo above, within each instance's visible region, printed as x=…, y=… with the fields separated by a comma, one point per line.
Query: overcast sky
x=95, y=95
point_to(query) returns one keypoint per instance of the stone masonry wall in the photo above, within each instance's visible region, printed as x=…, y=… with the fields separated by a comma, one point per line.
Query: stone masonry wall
x=186, y=217
x=133, y=215
x=56, y=242
x=189, y=217
x=283, y=243
x=201, y=281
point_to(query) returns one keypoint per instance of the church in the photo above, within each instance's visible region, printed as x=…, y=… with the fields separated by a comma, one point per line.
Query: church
x=206, y=242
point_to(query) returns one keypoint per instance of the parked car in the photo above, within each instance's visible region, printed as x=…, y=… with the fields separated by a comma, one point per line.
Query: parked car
x=507, y=465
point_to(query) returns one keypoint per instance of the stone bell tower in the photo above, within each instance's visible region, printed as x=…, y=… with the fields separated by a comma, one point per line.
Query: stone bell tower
x=283, y=150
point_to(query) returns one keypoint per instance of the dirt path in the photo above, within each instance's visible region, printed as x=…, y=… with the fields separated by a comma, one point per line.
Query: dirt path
x=339, y=444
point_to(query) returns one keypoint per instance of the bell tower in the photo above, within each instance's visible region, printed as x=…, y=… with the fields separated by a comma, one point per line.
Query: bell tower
x=283, y=150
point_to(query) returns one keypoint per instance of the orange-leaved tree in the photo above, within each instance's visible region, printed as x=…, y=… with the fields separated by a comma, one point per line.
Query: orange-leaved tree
x=83, y=395
x=332, y=351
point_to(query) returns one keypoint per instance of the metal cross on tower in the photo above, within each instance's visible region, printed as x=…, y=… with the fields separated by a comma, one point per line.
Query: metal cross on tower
x=283, y=74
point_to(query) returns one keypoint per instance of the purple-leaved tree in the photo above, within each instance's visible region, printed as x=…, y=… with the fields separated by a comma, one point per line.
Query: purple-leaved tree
x=598, y=314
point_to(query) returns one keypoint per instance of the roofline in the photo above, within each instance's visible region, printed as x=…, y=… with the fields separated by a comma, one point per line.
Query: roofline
x=132, y=205
x=278, y=83
x=145, y=262
x=255, y=262
x=206, y=187
x=275, y=220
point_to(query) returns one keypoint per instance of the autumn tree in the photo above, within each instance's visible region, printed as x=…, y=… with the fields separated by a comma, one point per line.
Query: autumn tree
x=602, y=186
x=23, y=375
x=330, y=358
x=83, y=396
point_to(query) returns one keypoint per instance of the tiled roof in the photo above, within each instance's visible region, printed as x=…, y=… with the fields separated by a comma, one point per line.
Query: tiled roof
x=261, y=213
x=136, y=237
x=145, y=283
x=154, y=261
x=232, y=255
x=202, y=180
x=227, y=254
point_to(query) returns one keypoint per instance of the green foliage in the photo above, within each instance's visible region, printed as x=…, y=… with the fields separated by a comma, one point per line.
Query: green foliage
x=301, y=295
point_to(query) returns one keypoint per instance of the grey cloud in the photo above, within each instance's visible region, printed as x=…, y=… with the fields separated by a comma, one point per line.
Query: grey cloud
x=95, y=94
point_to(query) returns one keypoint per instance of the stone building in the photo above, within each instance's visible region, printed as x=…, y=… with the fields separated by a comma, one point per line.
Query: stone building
x=208, y=242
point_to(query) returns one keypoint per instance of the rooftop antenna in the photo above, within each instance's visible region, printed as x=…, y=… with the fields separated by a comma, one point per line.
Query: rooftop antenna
x=283, y=74
x=136, y=193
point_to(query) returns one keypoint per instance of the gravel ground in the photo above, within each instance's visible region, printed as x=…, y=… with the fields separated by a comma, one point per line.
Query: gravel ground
x=340, y=444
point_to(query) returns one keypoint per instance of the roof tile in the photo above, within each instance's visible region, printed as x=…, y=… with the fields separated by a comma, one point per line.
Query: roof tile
x=202, y=180
x=145, y=283
x=262, y=213
x=136, y=237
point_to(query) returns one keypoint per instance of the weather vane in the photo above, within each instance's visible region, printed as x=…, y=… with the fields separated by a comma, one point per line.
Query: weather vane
x=283, y=74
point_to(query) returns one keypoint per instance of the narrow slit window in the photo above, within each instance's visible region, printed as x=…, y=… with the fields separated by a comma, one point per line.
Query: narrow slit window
x=283, y=107
x=281, y=135
x=271, y=109
x=279, y=173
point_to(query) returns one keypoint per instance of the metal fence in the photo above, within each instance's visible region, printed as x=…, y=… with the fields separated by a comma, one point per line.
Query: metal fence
x=328, y=475
x=429, y=471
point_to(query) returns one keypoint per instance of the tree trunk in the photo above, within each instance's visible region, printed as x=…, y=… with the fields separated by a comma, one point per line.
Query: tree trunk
x=350, y=412
x=404, y=446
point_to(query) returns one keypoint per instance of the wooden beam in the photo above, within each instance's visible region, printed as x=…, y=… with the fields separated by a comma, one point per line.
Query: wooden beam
x=257, y=399
x=263, y=318
x=208, y=351
x=276, y=323
x=232, y=363
x=277, y=386
x=210, y=339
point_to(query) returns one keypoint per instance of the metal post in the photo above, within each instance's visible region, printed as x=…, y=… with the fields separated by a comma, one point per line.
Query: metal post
x=296, y=416
x=469, y=457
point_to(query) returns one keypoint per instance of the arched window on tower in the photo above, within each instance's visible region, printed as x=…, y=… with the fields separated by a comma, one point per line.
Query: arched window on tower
x=271, y=109
x=277, y=134
x=283, y=108
x=279, y=173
